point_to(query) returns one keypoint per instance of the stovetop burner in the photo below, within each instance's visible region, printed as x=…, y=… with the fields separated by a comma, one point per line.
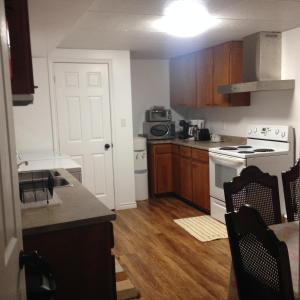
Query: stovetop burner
x=244, y=147
x=264, y=150
x=246, y=152
x=229, y=148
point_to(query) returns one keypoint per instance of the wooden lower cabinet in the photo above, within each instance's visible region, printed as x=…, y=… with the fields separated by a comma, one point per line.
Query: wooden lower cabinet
x=180, y=170
x=186, y=188
x=80, y=259
x=161, y=169
x=176, y=170
x=164, y=182
x=201, y=185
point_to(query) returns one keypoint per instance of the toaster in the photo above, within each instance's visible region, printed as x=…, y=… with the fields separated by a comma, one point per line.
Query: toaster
x=202, y=134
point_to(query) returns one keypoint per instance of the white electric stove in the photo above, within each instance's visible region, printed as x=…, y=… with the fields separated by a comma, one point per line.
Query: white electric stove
x=271, y=148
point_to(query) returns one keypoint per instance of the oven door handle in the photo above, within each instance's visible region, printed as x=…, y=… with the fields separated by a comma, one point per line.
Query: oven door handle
x=227, y=161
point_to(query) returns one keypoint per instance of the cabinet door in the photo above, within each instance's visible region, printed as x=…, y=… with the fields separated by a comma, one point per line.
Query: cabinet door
x=205, y=77
x=20, y=48
x=200, y=175
x=176, y=170
x=228, y=69
x=183, y=81
x=236, y=74
x=186, y=189
x=164, y=172
x=221, y=76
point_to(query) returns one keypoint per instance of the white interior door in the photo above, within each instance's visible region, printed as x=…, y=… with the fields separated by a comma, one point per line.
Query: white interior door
x=84, y=124
x=12, y=285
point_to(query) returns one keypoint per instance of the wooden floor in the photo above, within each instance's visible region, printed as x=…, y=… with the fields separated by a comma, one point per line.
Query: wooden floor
x=162, y=260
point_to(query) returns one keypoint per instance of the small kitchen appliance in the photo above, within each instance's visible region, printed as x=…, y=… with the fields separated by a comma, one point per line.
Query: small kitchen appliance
x=270, y=148
x=200, y=132
x=158, y=114
x=159, y=130
x=185, y=132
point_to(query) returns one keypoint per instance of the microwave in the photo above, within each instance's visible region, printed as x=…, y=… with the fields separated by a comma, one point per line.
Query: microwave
x=158, y=115
x=159, y=130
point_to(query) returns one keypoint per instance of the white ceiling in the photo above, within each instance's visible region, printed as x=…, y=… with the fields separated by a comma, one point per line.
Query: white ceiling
x=126, y=24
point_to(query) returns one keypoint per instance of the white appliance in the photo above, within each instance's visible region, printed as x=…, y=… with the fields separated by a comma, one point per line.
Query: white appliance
x=270, y=148
x=140, y=168
x=199, y=123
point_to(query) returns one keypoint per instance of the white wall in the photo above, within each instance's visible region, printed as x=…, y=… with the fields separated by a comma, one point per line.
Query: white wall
x=150, y=86
x=33, y=123
x=273, y=108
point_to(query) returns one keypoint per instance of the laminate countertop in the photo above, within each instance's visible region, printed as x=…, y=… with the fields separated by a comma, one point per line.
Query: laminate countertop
x=78, y=207
x=203, y=145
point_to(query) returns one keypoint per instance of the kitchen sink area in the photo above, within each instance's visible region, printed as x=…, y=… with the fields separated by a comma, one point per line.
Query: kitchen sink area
x=37, y=188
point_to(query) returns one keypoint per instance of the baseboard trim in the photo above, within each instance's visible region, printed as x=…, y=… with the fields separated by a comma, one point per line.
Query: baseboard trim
x=126, y=206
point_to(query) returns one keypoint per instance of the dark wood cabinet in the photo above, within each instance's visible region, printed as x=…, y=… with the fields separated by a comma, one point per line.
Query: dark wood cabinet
x=176, y=170
x=20, y=48
x=194, y=78
x=200, y=179
x=80, y=259
x=184, y=173
x=161, y=169
x=205, y=78
x=186, y=188
x=183, y=81
x=227, y=69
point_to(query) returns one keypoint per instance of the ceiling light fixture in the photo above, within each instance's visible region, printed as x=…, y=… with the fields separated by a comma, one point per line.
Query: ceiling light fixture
x=185, y=18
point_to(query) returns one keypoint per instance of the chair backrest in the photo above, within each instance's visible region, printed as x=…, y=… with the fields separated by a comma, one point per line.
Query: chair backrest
x=260, y=260
x=258, y=189
x=291, y=187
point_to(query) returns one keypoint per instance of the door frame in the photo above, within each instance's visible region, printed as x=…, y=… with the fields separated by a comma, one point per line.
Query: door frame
x=121, y=109
x=53, y=102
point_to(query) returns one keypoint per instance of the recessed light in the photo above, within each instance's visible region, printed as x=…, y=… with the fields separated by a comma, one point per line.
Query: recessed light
x=185, y=18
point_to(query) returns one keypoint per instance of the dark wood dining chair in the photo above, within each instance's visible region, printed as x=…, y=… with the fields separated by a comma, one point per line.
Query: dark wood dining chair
x=291, y=187
x=258, y=189
x=261, y=262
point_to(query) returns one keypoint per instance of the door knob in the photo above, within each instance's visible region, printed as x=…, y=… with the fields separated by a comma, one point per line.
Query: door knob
x=107, y=146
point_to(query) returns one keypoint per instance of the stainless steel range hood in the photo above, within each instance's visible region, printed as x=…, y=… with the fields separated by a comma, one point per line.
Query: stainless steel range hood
x=261, y=65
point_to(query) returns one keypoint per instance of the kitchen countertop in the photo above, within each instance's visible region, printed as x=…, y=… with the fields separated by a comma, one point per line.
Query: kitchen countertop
x=203, y=145
x=79, y=207
x=49, y=164
x=47, y=160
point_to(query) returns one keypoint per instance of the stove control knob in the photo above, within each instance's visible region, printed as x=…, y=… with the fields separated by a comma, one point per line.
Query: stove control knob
x=255, y=130
x=283, y=134
x=249, y=131
x=277, y=131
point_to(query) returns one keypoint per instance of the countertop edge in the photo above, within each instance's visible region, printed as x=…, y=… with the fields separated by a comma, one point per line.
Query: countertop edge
x=68, y=225
x=202, y=145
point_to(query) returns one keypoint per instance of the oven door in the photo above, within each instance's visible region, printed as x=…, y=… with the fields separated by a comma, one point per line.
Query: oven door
x=222, y=169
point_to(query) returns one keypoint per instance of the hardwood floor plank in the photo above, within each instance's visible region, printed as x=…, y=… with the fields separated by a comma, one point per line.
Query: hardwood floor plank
x=162, y=260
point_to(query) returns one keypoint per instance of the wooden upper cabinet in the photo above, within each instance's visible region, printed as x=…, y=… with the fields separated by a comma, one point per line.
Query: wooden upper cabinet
x=228, y=69
x=194, y=78
x=204, y=65
x=183, y=81
x=20, y=47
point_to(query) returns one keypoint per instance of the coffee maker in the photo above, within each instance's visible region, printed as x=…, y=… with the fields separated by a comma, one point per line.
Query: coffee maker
x=187, y=130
